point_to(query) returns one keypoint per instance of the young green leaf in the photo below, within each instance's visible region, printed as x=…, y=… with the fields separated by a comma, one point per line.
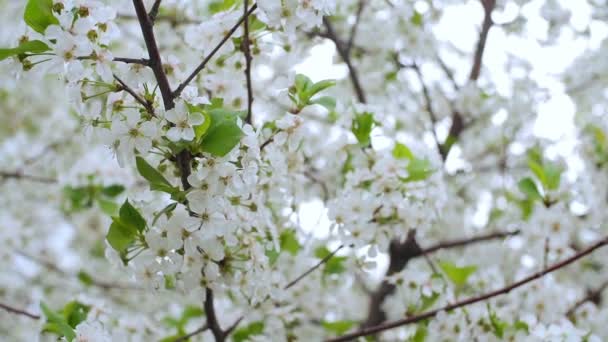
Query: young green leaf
x=338, y=327
x=223, y=133
x=244, y=333
x=56, y=323
x=400, y=151
x=528, y=187
x=457, y=275
x=362, y=128
x=75, y=312
x=112, y=190
x=149, y=173
x=120, y=236
x=33, y=46
x=326, y=101
x=39, y=15
x=289, y=242
x=131, y=216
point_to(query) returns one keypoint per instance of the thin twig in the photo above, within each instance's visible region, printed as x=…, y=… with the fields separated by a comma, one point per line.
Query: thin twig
x=192, y=334
x=591, y=296
x=201, y=66
x=429, y=108
x=488, y=7
x=154, y=11
x=471, y=300
x=353, y=29
x=310, y=270
x=141, y=61
x=24, y=176
x=155, y=62
x=345, y=55
x=468, y=241
x=248, y=58
x=18, y=311
x=125, y=87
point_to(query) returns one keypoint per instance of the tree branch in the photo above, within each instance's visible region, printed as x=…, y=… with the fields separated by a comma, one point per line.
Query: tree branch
x=353, y=29
x=212, y=321
x=345, y=55
x=310, y=270
x=400, y=253
x=21, y=175
x=155, y=62
x=125, y=87
x=201, y=66
x=192, y=334
x=247, y=52
x=488, y=6
x=141, y=61
x=594, y=296
x=18, y=311
x=154, y=11
x=472, y=300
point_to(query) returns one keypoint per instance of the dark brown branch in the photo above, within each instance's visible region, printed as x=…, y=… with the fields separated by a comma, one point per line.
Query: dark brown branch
x=488, y=7
x=18, y=311
x=310, y=270
x=212, y=321
x=469, y=241
x=155, y=62
x=345, y=56
x=247, y=52
x=472, y=300
x=401, y=253
x=353, y=29
x=192, y=334
x=154, y=11
x=594, y=296
x=233, y=326
x=201, y=66
x=130, y=91
x=21, y=175
x=429, y=108
x=141, y=61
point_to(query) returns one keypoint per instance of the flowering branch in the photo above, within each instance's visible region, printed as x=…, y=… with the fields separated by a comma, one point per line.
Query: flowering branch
x=472, y=300
x=192, y=334
x=141, y=61
x=21, y=175
x=594, y=296
x=18, y=311
x=345, y=55
x=201, y=66
x=401, y=253
x=247, y=52
x=310, y=270
x=488, y=7
x=125, y=87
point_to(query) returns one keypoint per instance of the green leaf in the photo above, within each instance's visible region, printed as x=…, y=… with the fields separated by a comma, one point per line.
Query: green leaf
x=302, y=84
x=421, y=333
x=33, y=46
x=326, y=101
x=85, y=278
x=338, y=327
x=200, y=130
x=149, y=173
x=220, y=5
x=223, y=134
x=289, y=242
x=528, y=187
x=521, y=325
x=418, y=169
x=120, y=236
x=131, y=216
x=75, y=312
x=335, y=265
x=253, y=329
x=428, y=301
x=56, y=323
x=108, y=207
x=272, y=255
x=416, y=19
x=400, y=151
x=553, y=175
x=318, y=87
x=362, y=128
x=498, y=325
x=458, y=275
x=113, y=190
x=39, y=15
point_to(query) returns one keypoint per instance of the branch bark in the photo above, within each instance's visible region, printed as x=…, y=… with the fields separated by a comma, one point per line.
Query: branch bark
x=201, y=66
x=472, y=300
x=247, y=53
x=18, y=311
